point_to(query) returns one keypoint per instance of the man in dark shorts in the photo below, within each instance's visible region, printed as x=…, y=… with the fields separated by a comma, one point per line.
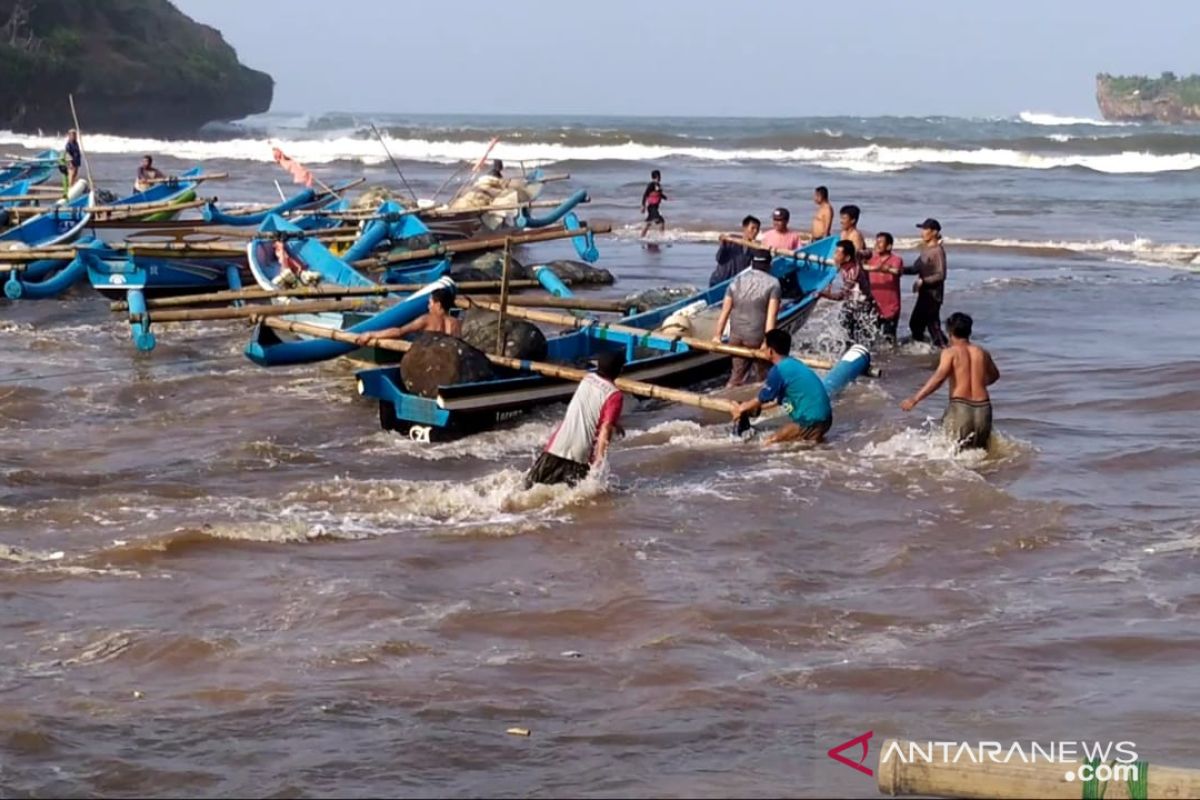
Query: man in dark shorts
x=73, y=158
x=582, y=438
x=651, y=199
x=751, y=307
x=732, y=257
x=970, y=370
x=930, y=286
x=797, y=388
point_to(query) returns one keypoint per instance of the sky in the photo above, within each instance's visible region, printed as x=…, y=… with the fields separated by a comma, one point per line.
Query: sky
x=703, y=57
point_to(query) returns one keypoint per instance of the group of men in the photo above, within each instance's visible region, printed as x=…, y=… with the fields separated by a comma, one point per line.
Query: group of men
x=868, y=281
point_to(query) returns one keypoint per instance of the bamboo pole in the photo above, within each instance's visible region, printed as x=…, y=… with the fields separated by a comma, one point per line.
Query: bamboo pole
x=314, y=292
x=567, y=321
x=134, y=209
x=249, y=312
x=473, y=245
x=503, y=296
x=50, y=254
x=798, y=254
x=396, y=166
x=988, y=779
x=573, y=303
x=216, y=176
x=638, y=388
x=429, y=213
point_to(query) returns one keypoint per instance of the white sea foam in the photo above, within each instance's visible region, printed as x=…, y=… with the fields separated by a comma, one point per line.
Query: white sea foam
x=1137, y=249
x=869, y=158
x=1041, y=118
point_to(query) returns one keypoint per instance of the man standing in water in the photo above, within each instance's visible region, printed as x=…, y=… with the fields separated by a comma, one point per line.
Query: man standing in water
x=751, y=308
x=849, y=218
x=883, y=274
x=732, y=258
x=651, y=199
x=797, y=388
x=781, y=237
x=822, y=221
x=930, y=286
x=582, y=438
x=968, y=417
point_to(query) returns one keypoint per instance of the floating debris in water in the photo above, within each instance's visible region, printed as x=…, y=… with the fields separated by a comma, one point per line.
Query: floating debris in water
x=517, y=731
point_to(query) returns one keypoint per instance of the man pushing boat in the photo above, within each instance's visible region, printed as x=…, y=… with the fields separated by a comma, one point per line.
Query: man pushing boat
x=968, y=417
x=794, y=386
x=438, y=320
x=582, y=438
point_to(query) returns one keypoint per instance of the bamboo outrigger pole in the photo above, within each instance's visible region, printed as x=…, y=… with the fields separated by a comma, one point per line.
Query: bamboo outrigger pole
x=638, y=388
x=1016, y=778
x=319, y=292
x=567, y=321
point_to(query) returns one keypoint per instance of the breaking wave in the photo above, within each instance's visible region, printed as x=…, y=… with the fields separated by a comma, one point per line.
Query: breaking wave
x=1040, y=118
x=866, y=157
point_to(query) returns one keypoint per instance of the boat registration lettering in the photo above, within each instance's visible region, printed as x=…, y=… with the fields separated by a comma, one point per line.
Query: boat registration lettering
x=419, y=433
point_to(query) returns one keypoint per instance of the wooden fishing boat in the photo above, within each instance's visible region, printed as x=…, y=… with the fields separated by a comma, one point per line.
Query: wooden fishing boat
x=659, y=357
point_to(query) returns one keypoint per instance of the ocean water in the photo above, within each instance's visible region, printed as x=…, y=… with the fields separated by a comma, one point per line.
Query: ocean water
x=219, y=578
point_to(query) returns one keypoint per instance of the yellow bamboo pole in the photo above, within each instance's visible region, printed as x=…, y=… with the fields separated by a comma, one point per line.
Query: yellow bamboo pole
x=1016, y=778
x=567, y=321
x=248, y=312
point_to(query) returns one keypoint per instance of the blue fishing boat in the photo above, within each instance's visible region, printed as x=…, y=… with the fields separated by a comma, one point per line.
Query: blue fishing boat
x=65, y=222
x=660, y=357
x=305, y=200
x=311, y=263
x=36, y=170
x=16, y=189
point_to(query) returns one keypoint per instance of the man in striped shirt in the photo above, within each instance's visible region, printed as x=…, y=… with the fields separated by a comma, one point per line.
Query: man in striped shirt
x=582, y=438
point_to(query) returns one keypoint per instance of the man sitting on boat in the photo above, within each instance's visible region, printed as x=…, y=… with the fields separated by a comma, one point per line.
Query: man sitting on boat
x=795, y=387
x=147, y=173
x=751, y=308
x=438, y=320
x=582, y=438
x=732, y=257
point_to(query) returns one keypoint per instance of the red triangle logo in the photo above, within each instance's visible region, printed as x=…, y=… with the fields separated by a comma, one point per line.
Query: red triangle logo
x=836, y=752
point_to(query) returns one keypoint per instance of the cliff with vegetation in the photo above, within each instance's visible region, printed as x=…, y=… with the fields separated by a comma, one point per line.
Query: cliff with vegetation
x=1136, y=98
x=134, y=66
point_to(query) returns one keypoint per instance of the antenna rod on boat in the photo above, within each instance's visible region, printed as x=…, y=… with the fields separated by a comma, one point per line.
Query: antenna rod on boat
x=379, y=136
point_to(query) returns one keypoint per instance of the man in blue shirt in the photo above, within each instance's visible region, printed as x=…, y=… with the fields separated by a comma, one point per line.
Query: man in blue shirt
x=795, y=387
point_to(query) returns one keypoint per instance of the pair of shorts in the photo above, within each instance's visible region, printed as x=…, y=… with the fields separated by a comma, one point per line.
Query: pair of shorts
x=551, y=469
x=968, y=422
x=812, y=431
x=653, y=216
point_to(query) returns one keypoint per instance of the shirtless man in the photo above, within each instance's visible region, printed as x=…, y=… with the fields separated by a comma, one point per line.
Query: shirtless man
x=438, y=320
x=849, y=219
x=822, y=221
x=970, y=368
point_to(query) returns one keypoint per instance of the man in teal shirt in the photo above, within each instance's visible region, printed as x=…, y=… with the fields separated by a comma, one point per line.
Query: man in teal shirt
x=797, y=388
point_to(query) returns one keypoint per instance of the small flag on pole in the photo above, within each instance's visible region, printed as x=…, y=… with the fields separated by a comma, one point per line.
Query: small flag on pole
x=487, y=152
x=299, y=173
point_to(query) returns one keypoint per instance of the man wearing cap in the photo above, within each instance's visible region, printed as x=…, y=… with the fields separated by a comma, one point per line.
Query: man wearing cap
x=930, y=267
x=751, y=307
x=780, y=237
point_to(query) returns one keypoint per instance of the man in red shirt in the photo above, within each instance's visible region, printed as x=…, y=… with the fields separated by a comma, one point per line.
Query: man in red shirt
x=883, y=271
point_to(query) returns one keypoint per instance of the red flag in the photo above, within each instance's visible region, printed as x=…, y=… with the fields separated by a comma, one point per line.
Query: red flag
x=299, y=173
